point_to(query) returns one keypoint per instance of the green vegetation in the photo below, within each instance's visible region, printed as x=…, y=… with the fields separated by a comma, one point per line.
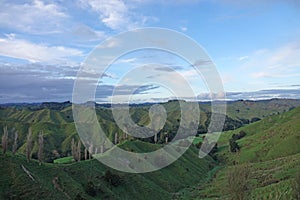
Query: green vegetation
x=64, y=160
x=296, y=186
x=92, y=180
x=260, y=160
x=238, y=182
x=271, y=151
x=234, y=147
x=56, y=122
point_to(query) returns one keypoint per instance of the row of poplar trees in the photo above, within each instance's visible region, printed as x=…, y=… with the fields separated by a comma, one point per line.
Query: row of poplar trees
x=76, y=151
x=75, y=147
x=29, y=143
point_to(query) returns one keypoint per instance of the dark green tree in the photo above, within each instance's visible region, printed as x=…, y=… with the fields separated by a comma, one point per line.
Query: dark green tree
x=233, y=145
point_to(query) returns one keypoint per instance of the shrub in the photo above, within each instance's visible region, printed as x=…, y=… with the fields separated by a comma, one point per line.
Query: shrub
x=242, y=134
x=198, y=145
x=79, y=197
x=255, y=119
x=91, y=189
x=238, y=181
x=113, y=179
x=239, y=136
x=233, y=145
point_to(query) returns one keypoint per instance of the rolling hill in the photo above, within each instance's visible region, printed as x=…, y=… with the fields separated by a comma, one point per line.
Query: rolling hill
x=56, y=120
x=92, y=180
x=271, y=150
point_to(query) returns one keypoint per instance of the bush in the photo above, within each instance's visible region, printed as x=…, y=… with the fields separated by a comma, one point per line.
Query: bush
x=198, y=145
x=90, y=189
x=113, y=179
x=79, y=197
x=238, y=182
x=239, y=136
x=245, y=121
x=255, y=119
x=234, y=147
x=214, y=150
x=242, y=134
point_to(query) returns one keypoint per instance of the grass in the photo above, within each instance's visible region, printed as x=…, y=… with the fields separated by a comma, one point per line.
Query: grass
x=271, y=148
x=72, y=178
x=59, y=127
x=64, y=160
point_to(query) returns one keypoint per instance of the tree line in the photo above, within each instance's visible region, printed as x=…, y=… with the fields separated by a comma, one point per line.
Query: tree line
x=10, y=142
x=29, y=144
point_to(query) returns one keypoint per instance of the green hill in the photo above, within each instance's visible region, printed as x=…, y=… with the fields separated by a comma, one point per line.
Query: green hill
x=248, y=109
x=56, y=120
x=91, y=180
x=273, y=137
x=271, y=150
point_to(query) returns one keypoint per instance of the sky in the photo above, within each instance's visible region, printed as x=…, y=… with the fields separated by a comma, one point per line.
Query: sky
x=255, y=46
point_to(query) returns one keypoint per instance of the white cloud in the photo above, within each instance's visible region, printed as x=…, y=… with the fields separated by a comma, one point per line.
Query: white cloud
x=243, y=58
x=115, y=14
x=190, y=74
x=129, y=60
x=266, y=68
x=86, y=33
x=283, y=61
x=274, y=75
x=10, y=46
x=111, y=43
x=183, y=28
x=35, y=17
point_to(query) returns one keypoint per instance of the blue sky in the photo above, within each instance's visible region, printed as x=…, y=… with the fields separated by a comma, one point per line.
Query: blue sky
x=254, y=44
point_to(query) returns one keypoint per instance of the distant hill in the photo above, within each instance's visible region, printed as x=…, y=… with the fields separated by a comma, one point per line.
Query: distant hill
x=246, y=109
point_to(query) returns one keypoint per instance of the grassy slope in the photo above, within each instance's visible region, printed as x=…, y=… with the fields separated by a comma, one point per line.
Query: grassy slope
x=277, y=163
x=272, y=149
x=72, y=178
x=273, y=137
x=59, y=128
